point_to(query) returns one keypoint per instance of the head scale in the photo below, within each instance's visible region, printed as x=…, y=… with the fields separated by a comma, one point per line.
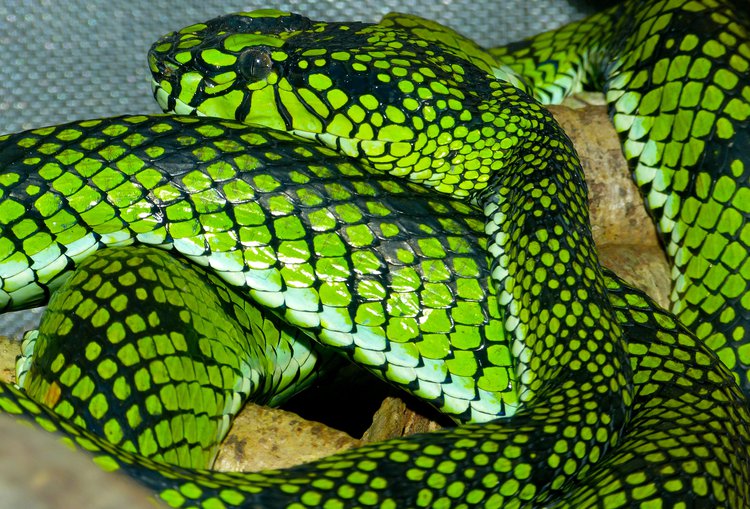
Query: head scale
x=392, y=94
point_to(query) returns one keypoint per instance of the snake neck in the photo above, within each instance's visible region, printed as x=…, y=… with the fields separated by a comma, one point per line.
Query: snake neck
x=411, y=105
x=569, y=60
x=406, y=96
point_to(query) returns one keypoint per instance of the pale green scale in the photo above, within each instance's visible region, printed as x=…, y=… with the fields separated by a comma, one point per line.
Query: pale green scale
x=202, y=228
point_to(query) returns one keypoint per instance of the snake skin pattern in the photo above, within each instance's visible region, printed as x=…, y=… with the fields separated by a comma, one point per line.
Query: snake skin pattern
x=424, y=217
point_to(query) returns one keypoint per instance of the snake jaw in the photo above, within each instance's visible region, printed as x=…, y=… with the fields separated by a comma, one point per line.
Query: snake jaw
x=170, y=104
x=338, y=96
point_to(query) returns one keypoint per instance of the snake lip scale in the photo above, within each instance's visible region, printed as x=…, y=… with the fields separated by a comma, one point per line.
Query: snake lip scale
x=394, y=195
x=170, y=104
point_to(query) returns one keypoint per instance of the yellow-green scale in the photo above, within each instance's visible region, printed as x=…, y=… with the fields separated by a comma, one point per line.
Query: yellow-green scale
x=489, y=142
x=306, y=275
x=457, y=140
x=686, y=409
x=169, y=354
x=680, y=100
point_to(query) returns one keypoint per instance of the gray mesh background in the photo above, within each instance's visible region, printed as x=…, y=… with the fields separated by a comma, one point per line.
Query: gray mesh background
x=62, y=61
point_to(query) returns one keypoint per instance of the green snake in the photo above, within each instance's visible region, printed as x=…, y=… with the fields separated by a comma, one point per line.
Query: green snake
x=424, y=217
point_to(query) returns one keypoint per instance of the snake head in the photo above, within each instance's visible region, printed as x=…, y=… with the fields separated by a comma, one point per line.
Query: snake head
x=407, y=96
x=210, y=68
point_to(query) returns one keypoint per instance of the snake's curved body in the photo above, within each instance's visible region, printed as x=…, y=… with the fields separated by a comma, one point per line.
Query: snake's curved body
x=680, y=99
x=492, y=308
x=676, y=375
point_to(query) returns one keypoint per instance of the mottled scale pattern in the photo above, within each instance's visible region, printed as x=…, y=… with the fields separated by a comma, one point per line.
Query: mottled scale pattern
x=685, y=400
x=688, y=431
x=493, y=144
x=680, y=99
x=433, y=228
x=395, y=94
x=488, y=142
x=130, y=348
x=292, y=240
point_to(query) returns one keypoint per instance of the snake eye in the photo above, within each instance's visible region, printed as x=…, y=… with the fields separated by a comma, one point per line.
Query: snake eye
x=254, y=64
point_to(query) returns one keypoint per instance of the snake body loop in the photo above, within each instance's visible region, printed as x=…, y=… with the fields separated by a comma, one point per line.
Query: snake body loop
x=679, y=100
x=422, y=216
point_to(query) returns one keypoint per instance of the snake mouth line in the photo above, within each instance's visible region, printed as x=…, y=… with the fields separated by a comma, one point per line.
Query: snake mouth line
x=171, y=104
x=347, y=146
x=352, y=147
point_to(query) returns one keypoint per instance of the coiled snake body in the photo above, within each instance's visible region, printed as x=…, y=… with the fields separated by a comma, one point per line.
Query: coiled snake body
x=425, y=218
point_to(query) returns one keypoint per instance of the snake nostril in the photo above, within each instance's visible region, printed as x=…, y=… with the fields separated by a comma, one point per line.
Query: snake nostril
x=168, y=68
x=162, y=68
